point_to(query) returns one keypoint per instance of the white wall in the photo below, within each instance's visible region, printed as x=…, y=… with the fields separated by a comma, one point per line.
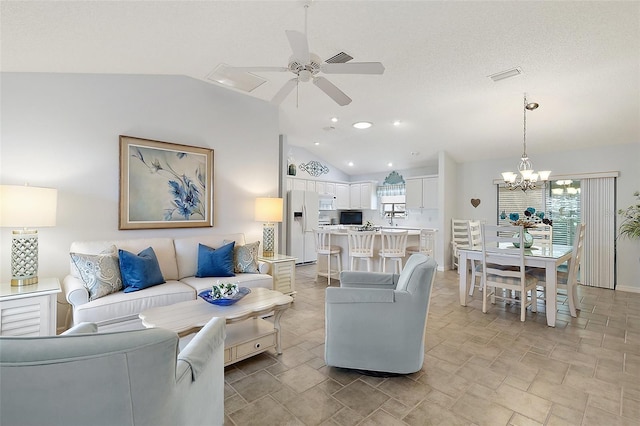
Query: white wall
x=475, y=181
x=61, y=131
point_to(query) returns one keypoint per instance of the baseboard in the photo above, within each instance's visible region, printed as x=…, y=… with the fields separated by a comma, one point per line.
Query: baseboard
x=627, y=288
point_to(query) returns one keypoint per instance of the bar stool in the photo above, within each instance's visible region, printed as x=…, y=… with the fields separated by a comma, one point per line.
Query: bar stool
x=394, y=247
x=361, y=247
x=427, y=243
x=324, y=248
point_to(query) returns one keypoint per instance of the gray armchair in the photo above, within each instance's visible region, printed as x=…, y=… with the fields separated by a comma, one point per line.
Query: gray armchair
x=122, y=378
x=376, y=321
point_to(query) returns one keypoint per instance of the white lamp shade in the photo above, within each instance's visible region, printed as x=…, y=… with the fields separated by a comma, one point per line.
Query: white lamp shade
x=509, y=176
x=544, y=174
x=27, y=206
x=268, y=210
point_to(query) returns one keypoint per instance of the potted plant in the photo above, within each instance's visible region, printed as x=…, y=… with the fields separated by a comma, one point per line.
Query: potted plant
x=630, y=226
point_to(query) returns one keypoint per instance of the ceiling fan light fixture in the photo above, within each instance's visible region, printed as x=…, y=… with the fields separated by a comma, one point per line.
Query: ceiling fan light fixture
x=362, y=125
x=245, y=81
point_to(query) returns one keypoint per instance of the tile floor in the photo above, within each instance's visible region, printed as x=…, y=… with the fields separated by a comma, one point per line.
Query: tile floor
x=479, y=369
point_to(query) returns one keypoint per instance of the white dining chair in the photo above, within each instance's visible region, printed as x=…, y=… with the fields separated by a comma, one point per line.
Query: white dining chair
x=503, y=267
x=567, y=280
x=459, y=238
x=542, y=235
x=324, y=248
x=361, y=247
x=393, y=247
x=475, y=242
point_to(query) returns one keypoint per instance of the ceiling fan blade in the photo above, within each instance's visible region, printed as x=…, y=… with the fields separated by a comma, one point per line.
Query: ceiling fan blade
x=353, y=68
x=299, y=46
x=330, y=89
x=284, y=91
x=258, y=69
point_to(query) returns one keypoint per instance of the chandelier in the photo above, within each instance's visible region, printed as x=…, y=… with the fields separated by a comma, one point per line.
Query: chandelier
x=527, y=178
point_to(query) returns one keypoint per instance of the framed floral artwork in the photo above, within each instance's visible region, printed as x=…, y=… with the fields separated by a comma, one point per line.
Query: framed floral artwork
x=164, y=185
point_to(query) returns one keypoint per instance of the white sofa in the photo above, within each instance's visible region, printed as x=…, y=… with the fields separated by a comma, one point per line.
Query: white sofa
x=124, y=378
x=178, y=260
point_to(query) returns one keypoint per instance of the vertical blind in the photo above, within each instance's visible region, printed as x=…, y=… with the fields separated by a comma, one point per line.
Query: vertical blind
x=598, y=213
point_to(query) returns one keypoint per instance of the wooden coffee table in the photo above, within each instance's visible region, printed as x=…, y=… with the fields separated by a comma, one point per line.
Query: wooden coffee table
x=247, y=333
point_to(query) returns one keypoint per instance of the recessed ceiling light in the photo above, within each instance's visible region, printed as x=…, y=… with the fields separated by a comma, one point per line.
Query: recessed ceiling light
x=390, y=164
x=397, y=123
x=334, y=119
x=316, y=143
x=362, y=124
x=350, y=163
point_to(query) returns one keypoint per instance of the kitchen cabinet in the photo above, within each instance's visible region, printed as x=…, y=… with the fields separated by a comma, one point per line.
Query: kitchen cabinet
x=299, y=184
x=311, y=185
x=324, y=188
x=422, y=193
x=342, y=196
x=363, y=196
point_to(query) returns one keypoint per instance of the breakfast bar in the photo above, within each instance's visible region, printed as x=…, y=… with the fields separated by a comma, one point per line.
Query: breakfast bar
x=339, y=238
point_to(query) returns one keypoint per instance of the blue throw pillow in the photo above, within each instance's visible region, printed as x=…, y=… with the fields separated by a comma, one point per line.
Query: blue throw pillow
x=215, y=262
x=139, y=271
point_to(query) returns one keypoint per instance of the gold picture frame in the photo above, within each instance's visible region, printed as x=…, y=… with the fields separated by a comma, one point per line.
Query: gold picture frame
x=164, y=185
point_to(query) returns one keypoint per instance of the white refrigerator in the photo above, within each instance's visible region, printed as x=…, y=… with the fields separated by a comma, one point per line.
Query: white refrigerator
x=302, y=220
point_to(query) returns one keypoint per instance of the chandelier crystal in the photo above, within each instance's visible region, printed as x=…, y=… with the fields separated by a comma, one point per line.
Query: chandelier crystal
x=527, y=178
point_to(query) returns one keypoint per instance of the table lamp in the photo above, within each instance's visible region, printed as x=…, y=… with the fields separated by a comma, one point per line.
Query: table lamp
x=26, y=207
x=269, y=211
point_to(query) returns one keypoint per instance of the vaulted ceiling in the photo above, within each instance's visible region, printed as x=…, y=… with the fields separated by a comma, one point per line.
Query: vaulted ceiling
x=580, y=61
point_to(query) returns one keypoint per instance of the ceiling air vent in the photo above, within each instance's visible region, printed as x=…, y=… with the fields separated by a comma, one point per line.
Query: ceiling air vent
x=506, y=74
x=340, y=58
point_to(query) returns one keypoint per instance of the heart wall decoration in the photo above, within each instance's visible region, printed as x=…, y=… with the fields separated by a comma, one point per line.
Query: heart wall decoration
x=475, y=202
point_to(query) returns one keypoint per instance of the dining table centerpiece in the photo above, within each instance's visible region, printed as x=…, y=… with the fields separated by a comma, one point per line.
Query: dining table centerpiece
x=530, y=219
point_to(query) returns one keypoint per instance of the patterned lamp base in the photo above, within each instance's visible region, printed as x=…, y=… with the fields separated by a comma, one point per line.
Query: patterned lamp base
x=24, y=257
x=268, y=240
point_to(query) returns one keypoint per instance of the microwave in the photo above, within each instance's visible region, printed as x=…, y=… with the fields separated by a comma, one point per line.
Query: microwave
x=326, y=202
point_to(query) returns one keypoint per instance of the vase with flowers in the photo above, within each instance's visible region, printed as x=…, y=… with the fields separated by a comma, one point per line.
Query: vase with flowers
x=530, y=220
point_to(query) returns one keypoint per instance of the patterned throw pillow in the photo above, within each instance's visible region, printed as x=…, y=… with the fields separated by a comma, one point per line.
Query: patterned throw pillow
x=245, y=258
x=100, y=273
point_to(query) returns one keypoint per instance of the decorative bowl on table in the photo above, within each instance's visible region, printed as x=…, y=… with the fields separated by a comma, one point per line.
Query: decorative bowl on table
x=224, y=294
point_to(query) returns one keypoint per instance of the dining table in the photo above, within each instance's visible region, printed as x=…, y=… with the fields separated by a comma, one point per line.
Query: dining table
x=549, y=258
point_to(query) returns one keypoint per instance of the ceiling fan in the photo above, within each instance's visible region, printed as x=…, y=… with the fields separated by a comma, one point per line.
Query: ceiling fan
x=308, y=66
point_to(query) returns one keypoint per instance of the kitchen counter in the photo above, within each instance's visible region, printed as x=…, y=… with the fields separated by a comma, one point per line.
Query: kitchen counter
x=339, y=238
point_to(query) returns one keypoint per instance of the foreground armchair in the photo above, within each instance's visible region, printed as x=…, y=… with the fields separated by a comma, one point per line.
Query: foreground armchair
x=376, y=321
x=123, y=378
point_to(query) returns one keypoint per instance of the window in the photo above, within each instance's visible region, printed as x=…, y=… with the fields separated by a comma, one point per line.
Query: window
x=517, y=201
x=563, y=207
x=560, y=202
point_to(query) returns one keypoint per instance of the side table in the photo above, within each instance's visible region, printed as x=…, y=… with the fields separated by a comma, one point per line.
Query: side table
x=283, y=270
x=29, y=310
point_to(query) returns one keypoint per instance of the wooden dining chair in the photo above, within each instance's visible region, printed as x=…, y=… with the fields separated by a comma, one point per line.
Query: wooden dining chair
x=567, y=279
x=427, y=243
x=393, y=247
x=459, y=238
x=361, y=247
x=542, y=235
x=475, y=242
x=324, y=248
x=503, y=267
